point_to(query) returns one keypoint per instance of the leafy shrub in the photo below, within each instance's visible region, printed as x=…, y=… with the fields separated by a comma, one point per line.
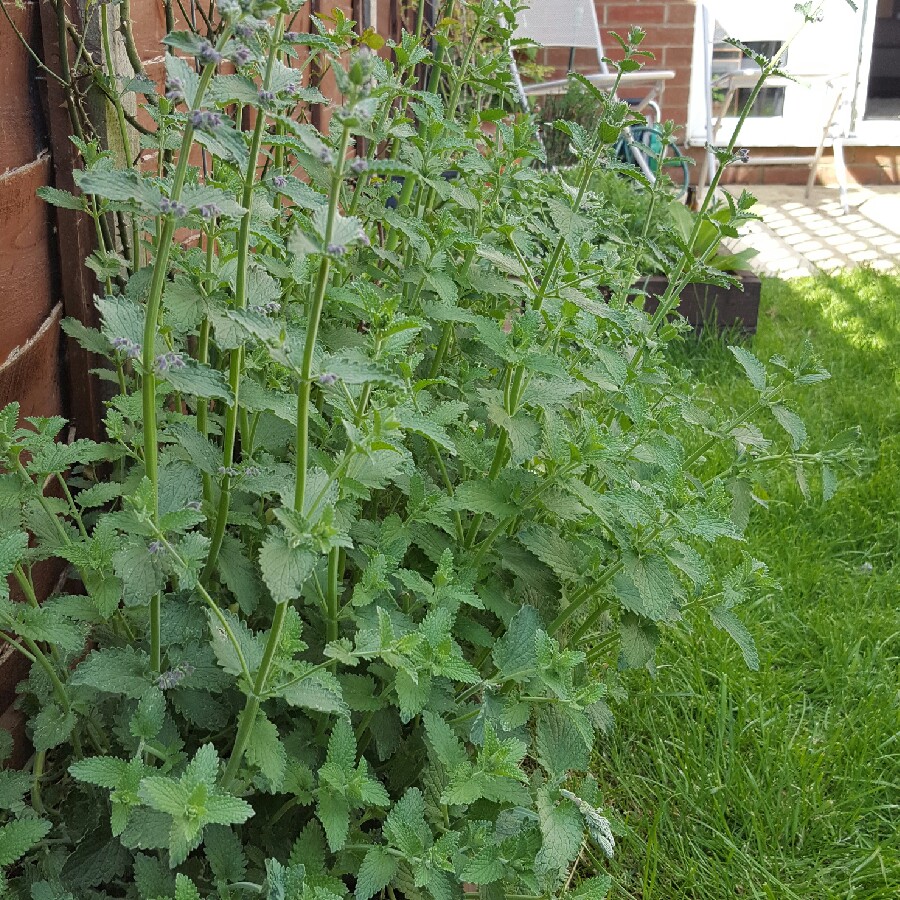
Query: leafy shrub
x=396, y=495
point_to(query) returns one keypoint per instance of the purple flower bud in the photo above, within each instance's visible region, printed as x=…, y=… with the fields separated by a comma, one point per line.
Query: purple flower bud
x=230, y=471
x=327, y=378
x=363, y=239
x=209, y=211
x=154, y=547
x=174, y=677
x=325, y=156
x=205, y=119
x=358, y=166
x=174, y=89
x=743, y=155
x=244, y=31
x=336, y=249
x=167, y=361
x=173, y=207
x=126, y=345
x=266, y=96
x=279, y=181
x=292, y=36
x=207, y=54
x=241, y=56
x=251, y=471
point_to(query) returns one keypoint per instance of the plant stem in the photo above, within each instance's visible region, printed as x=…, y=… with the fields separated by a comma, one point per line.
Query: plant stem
x=312, y=326
x=236, y=361
x=251, y=707
x=332, y=598
x=148, y=386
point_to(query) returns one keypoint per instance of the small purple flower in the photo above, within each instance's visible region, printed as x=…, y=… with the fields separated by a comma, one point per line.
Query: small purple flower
x=251, y=471
x=244, y=31
x=177, y=209
x=358, y=166
x=209, y=211
x=325, y=156
x=230, y=471
x=127, y=346
x=205, y=119
x=743, y=155
x=363, y=239
x=154, y=547
x=267, y=96
x=336, y=249
x=174, y=676
x=266, y=309
x=279, y=181
x=327, y=378
x=207, y=54
x=167, y=361
x=241, y=56
x=174, y=89
x=292, y=36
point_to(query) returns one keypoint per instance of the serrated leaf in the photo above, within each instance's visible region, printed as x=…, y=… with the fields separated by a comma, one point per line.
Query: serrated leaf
x=560, y=746
x=791, y=423
x=334, y=814
x=755, y=370
x=726, y=619
x=103, y=771
x=115, y=671
x=266, y=752
x=285, y=569
x=375, y=873
x=646, y=586
x=199, y=380
x=19, y=836
x=552, y=549
x=515, y=652
x=60, y=199
x=639, y=640
x=224, y=853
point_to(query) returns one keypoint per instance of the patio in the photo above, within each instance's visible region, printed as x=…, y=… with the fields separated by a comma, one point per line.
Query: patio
x=799, y=236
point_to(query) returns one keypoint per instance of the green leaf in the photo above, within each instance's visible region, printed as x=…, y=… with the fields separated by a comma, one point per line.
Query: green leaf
x=115, y=671
x=19, y=836
x=266, y=752
x=51, y=727
x=224, y=853
x=646, y=586
x=61, y=199
x=334, y=814
x=103, y=771
x=285, y=569
x=185, y=889
x=240, y=575
x=152, y=878
x=199, y=380
x=560, y=746
x=375, y=874
x=726, y=619
x=755, y=370
x=552, y=549
x=12, y=549
x=639, y=640
x=443, y=741
x=791, y=423
x=562, y=831
x=484, y=497
x=515, y=652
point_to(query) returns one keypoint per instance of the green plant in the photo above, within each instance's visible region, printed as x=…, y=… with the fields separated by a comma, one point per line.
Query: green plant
x=395, y=496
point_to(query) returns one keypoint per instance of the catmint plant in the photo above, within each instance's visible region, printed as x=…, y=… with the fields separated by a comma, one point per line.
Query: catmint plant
x=399, y=480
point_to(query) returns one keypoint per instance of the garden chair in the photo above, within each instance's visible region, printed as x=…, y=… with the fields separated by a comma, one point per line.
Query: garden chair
x=572, y=24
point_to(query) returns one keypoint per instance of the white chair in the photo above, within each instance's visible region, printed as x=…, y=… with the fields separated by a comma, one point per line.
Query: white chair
x=572, y=24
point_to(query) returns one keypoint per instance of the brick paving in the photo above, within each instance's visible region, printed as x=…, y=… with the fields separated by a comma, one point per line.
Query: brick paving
x=799, y=237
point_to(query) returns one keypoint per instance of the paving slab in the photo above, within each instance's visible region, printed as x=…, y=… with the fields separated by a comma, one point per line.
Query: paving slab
x=800, y=236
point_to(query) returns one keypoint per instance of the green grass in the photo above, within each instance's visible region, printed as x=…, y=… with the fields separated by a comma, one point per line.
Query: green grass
x=785, y=783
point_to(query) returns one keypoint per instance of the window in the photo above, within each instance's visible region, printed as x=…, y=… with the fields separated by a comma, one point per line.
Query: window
x=728, y=59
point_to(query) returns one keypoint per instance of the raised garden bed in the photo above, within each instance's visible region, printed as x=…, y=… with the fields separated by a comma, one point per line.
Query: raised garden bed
x=709, y=305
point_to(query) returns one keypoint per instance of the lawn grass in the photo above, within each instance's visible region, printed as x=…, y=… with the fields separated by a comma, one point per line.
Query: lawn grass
x=785, y=783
